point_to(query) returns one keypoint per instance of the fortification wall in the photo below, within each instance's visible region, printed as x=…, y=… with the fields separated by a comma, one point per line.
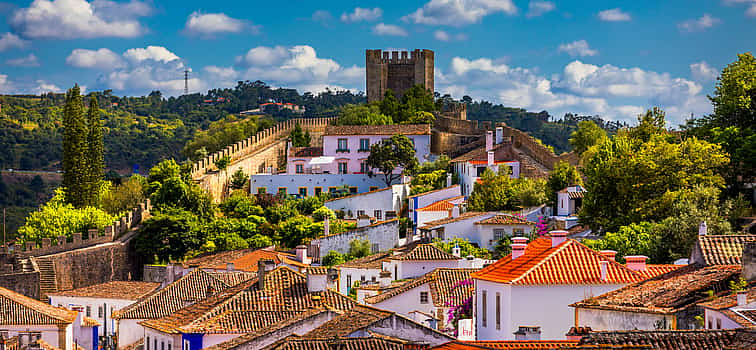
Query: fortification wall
x=535, y=150
x=94, y=265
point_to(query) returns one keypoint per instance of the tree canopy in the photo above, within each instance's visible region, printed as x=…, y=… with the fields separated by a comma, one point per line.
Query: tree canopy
x=387, y=155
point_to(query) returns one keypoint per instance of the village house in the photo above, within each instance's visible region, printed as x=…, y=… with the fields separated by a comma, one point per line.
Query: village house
x=382, y=235
x=196, y=285
x=731, y=311
x=99, y=301
x=239, y=260
x=542, y=278
x=433, y=205
x=380, y=204
x=484, y=229
x=569, y=200
x=497, y=153
x=34, y=322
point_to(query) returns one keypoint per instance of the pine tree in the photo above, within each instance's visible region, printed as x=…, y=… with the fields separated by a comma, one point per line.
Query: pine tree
x=74, y=149
x=95, y=158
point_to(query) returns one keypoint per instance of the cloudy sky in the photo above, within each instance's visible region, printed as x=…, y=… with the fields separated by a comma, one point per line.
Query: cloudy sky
x=612, y=58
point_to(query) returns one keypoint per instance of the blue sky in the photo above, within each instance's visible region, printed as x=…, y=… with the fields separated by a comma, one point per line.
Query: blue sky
x=612, y=58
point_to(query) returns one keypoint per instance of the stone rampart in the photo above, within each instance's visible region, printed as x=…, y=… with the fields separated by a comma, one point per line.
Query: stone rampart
x=535, y=150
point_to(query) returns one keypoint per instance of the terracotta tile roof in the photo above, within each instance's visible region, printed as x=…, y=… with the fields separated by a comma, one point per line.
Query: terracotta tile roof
x=730, y=300
x=17, y=309
x=568, y=263
x=506, y=344
x=89, y=322
x=667, y=293
x=248, y=261
x=442, y=205
x=245, y=308
x=505, y=219
x=215, y=259
x=305, y=152
x=360, y=194
x=404, y=129
x=745, y=318
x=128, y=290
x=441, y=283
x=434, y=191
x=669, y=340
x=653, y=270
x=374, y=261
x=464, y=216
x=423, y=252
x=502, y=153
x=353, y=343
x=317, y=270
x=186, y=290
x=359, y=317
x=723, y=249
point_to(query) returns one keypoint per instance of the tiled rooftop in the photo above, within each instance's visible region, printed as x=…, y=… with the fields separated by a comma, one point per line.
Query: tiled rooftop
x=360, y=194
x=653, y=270
x=506, y=344
x=502, y=153
x=505, y=219
x=723, y=249
x=127, y=290
x=744, y=315
x=363, y=343
x=675, y=340
x=424, y=252
x=464, y=216
x=431, y=192
x=350, y=130
x=568, y=263
x=357, y=318
x=442, y=205
x=374, y=261
x=667, y=293
x=186, y=290
x=248, y=261
x=441, y=281
x=305, y=152
x=17, y=309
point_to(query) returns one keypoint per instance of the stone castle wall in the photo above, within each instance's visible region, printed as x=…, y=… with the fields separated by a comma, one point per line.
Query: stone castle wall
x=537, y=151
x=398, y=71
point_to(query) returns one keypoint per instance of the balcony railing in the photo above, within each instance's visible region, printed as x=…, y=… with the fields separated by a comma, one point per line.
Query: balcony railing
x=342, y=150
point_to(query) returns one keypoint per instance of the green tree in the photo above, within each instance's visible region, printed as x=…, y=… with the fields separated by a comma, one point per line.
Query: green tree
x=416, y=99
x=239, y=180
x=733, y=97
x=425, y=182
x=359, y=248
x=333, y=258
x=649, y=124
x=299, y=138
x=529, y=192
x=586, y=135
x=362, y=115
x=75, y=170
x=167, y=236
x=95, y=152
x=170, y=187
x=493, y=192
x=387, y=155
x=389, y=105
x=421, y=117
x=125, y=196
x=563, y=175
x=633, y=239
x=241, y=206
x=295, y=231
x=320, y=214
x=465, y=247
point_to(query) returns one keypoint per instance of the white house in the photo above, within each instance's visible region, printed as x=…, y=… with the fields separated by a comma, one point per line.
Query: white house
x=433, y=205
x=381, y=204
x=33, y=321
x=535, y=285
x=240, y=260
x=569, y=200
x=471, y=165
x=482, y=228
x=314, y=184
x=731, y=311
x=99, y=301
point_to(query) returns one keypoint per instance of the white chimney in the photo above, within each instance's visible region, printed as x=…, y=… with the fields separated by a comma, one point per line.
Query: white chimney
x=302, y=254
x=384, y=279
x=363, y=220
x=604, y=269
x=636, y=262
x=610, y=254
x=230, y=267
x=518, y=249
x=489, y=140
x=316, y=283
x=702, y=229
x=520, y=240
x=490, y=158
x=528, y=333
x=448, y=180
x=499, y=135
x=457, y=251
x=326, y=225
x=558, y=237
x=742, y=298
x=455, y=211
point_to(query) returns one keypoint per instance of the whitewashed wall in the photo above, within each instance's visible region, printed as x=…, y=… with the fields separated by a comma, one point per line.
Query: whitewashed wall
x=604, y=320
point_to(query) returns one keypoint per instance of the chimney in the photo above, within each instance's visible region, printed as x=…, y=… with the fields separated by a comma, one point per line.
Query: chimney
x=749, y=261
x=455, y=211
x=263, y=265
x=702, y=229
x=456, y=251
x=230, y=267
x=363, y=220
x=636, y=262
x=326, y=225
x=609, y=254
x=490, y=159
x=520, y=240
x=489, y=140
x=604, y=265
x=558, y=237
x=302, y=254
x=518, y=249
x=528, y=333
x=316, y=283
x=384, y=279
x=742, y=298
x=499, y=135
x=448, y=180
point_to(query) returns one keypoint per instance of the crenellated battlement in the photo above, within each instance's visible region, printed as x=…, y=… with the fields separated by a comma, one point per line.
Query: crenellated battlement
x=398, y=57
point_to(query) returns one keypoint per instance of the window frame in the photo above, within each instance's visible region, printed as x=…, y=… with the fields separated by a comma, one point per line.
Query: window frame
x=317, y=190
x=342, y=147
x=343, y=167
x=299, y=168
x=363, y=143
x=424, y=297
x=299, y=190
x=283, y=190
x=484, y=306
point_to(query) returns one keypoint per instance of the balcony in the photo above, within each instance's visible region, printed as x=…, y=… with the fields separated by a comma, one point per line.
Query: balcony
x=342, y=150
x=363, y=150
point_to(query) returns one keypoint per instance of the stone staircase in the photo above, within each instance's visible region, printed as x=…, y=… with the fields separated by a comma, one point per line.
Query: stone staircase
x=47, y=279
x=530, y=168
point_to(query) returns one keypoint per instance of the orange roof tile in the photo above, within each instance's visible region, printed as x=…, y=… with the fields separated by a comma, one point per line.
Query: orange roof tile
x=506, y=344
x=17, y=309
x=248, y=262
x=653, y=270
x=464, y=216
x=505, y=219
x=128, y=290
x=424, y=252
x=359, y=194
x=404, y=129
x=568, y=263
x=442, y=205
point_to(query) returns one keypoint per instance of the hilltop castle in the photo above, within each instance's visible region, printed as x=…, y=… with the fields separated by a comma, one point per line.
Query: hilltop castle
x=399, y=72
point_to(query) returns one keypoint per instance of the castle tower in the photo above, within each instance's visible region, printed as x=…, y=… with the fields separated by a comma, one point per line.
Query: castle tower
x=398, y=71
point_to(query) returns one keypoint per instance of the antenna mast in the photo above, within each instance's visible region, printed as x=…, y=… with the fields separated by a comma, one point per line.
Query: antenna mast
x=186, y=82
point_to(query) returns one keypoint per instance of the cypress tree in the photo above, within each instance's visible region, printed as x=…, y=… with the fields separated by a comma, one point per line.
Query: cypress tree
x=95, y=158
x=74, y=149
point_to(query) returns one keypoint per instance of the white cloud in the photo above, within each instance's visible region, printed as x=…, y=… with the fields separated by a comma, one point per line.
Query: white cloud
x=323, y=17
x=459, y=12
x=538, y=8
x=70, y=19
x=579, y=48
x=215, y=23
x=43, y=87
x=154, y=53
x=11, y=41
x=26, y=61
x=103, y=59
x=698, y=24
x=702, y=71
x=751, y=4
x=441, y=35
x=6, y=87
x=614, y=15
x=388, y=29
x=362, y=14
x=263, y=56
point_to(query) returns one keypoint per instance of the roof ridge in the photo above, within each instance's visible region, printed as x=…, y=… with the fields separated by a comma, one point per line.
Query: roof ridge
x=560, y=248
x=38, y=306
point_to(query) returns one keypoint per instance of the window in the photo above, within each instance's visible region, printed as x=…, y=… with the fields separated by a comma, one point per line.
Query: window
x=303, y=191
x=282, y=191
x=518, y=232
x=300, y=168
x=373, y=279
x=479, y=171
x=360, y=213
x=364, y=145
x=498, y=311
x=498, y=234
x=342, y=146
x=349, y=283
x=89, y=311
x=332, y=189
x=440, y=233
x=719, y=323
x=390, y=215
x=484, y=305
x=169, y=346
x=261, y=190
x=318, y=191
x=710, y=325
x=373, y=188
x=162, y=345
x=352, y=190
x=99, y=311
x=362, y=278
x=364, y=167
x=148, y=343
x=423, y=297
x=155, y=343
x=375, y=248
x=343, y=167
x=396, y=272
x=377, y=214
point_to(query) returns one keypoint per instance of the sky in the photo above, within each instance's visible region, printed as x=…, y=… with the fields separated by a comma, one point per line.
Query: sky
x=609, y=58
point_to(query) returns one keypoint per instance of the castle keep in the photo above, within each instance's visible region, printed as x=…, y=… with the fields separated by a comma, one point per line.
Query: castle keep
x=397, y=72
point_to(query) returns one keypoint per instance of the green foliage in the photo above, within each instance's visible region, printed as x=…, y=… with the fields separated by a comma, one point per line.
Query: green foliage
x=296, y=230
x=428, y=182
x=586, y=135
x=416, y=99
x=362, y=115
x=75, y=165
x=170, y=187
x=308, y=205
x=562, y=176
x=503, y=247
x=649, y=124
x=168, y=236
x=466, y=248
x=734, y=98
x=223, y=162
x=94, y=157
x=239, y=180
x=59, y=218
x=634, y=239
x=333, y=258
x=299, y=138
x=421, y=117
x=387, y=155
x=240, y=205
x=222, y=133
x=529, y=192
x=739, y=285
x=125, y=196
x=494, y=192
x=359, y=248
x=389, y=105
x=320, y=214
x=416, y=107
